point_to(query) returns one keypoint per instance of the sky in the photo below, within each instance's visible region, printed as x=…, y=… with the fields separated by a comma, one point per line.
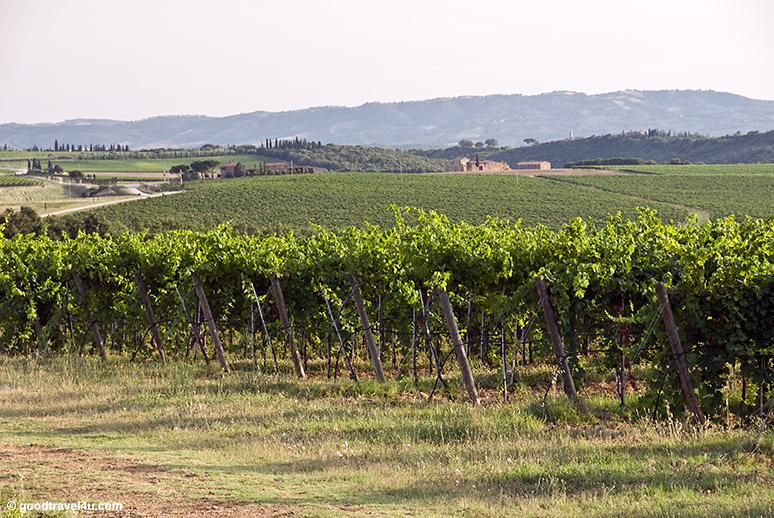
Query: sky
x=133, y=60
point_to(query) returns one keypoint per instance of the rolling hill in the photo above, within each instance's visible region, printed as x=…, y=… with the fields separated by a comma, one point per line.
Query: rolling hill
x=432, y=123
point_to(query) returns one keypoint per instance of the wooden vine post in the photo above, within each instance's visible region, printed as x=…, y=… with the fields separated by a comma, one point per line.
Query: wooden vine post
x=208, y=318
x=375, y=359
x=459, y=348
x=38, y=330
x=194, y=331
x=556, y=337
x=678, y=353
x=143, y=289
x=280, y=300
x=92, y=321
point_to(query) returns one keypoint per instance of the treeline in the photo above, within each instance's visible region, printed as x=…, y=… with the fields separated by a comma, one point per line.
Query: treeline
x=296, y=144
x=91, y=148
x=112, y=152
x=82, y=148
x=651, y=145
x=351, y=158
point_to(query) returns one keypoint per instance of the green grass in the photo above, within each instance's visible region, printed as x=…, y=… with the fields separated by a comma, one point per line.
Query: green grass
x=341, y=199
x=184, y=433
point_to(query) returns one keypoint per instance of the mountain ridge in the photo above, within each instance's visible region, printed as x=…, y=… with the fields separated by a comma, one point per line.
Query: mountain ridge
x=438, y=122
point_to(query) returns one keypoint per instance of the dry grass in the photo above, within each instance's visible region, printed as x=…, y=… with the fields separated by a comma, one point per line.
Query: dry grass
x=163, y=438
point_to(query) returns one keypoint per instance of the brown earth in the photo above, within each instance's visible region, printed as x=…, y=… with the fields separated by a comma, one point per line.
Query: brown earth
x=64, y=475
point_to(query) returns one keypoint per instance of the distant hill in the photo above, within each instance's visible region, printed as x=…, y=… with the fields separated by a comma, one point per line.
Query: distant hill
x=433, y=123
x=749, y=148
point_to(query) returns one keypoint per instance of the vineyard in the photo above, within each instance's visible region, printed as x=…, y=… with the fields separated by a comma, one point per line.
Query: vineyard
x=337, y=200
x=17, y=181
x=416, y=294
x=720, y=196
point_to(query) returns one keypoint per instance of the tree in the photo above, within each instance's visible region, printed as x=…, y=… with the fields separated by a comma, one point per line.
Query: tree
x=204, y=167
x=71, y=224
x=492, y=142
x=479, y=145
x=530, y=141
x=76, y=175
x=179, y=169
x=25, y=221
x=465, y=143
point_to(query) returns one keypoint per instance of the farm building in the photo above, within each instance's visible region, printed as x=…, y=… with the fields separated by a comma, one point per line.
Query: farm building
x=464, y=164
x=227, y=169
x=534, y=165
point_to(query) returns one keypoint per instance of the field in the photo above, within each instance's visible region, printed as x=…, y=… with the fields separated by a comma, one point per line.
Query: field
x=124, y=165
x=342, y=199
x=44, y=197
x=186, y=440
x=47, y=197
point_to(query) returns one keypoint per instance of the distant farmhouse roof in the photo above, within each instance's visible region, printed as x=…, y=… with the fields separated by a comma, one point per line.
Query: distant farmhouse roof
x=464, y=164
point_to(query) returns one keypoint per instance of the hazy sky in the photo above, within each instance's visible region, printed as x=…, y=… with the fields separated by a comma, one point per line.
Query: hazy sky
x=65, y=59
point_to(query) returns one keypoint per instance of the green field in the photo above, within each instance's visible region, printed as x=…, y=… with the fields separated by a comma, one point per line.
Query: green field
x=161, y=439
x=342, y=199
x=126, y=165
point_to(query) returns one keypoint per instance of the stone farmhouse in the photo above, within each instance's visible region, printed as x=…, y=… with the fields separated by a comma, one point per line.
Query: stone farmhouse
x=464, y=164
x=227, y=169
x=533, y=165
